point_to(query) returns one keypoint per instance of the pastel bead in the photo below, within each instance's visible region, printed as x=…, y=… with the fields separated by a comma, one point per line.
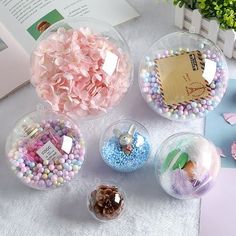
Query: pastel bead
x=40, y=173
x=191, y=109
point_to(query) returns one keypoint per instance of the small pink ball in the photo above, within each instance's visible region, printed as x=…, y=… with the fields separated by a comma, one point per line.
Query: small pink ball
x=39, y=165
x=54, y=178
x=21, y=165
x=62, y=160
x=23, y=169
x=51, y=167
x=71, y=174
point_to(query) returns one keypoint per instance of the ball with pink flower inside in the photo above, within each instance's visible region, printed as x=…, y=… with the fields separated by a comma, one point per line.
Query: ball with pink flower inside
x=82, y=68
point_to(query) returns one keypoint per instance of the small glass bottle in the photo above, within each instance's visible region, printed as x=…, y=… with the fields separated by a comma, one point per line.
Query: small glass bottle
x=44, y=144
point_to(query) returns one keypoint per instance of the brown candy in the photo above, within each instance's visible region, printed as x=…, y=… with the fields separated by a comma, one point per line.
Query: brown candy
x=106, y=202
x=189, y=168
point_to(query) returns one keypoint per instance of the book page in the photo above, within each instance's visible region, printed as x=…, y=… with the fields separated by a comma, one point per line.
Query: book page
x=23, y=21
x=14, y=63
x=27, y=19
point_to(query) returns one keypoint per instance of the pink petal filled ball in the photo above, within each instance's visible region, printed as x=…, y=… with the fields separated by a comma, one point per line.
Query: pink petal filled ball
x=82, y=68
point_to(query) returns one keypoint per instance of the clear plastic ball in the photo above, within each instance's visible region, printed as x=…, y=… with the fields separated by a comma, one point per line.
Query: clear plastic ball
x=183, y=76
x=187, y=165
x=106, y=202
x=45, y=149
x=81, y=67
x=125, y=145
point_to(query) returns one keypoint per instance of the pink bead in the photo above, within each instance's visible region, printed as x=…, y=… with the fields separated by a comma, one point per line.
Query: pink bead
x=21, y=165
x=36, y=178
x=65, y=156
x=68, y=178
x=39, y=175
x=49, y=183
x=71, y=174
x=82, y=152
x=62, y=160
x=54, y=178
x=39, y=165
x=23, y=170
x=47, y=125
x=51, y=167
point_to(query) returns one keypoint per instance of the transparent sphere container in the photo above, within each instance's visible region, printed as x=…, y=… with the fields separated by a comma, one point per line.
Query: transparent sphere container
x=45, y=149
x=106, y=202
x=82, y=67
x=187, y=165
x=183, y=76
x=125, y=145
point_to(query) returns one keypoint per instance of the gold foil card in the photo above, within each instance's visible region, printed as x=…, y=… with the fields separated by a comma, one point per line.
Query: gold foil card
x=180, y=78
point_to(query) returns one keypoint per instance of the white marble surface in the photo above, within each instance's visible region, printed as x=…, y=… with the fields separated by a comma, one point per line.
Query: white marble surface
x=150, y=211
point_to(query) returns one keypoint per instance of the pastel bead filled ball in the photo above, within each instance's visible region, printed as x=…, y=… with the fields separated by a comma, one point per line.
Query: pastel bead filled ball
x=125, y=146
x=183, y=76
x=82, y=68
x=187, y=165
x=45, y=150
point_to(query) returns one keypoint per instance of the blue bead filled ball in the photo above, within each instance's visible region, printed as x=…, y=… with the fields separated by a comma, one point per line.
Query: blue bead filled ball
x=125, y=146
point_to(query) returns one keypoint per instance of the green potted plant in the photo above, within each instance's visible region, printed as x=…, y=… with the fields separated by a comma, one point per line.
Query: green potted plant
x=221, y=11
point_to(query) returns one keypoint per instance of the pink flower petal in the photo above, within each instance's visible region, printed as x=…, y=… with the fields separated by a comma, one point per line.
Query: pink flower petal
x=233, y=150
x=68, y=76
x=67, y=72
x=230, y=118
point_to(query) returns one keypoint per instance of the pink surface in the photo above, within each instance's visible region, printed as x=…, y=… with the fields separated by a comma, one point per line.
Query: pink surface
x=218, y=208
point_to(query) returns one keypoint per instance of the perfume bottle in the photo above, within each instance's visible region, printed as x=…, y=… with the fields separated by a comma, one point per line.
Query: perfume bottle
x=44, y=143
x=45, y=149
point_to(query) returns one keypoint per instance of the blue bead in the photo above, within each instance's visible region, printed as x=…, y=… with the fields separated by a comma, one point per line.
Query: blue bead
x=118, y=160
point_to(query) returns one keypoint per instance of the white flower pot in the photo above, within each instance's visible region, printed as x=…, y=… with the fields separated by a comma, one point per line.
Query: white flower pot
x=194, y=22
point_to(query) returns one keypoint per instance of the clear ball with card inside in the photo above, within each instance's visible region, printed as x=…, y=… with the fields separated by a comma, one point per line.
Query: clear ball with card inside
x=183, y=76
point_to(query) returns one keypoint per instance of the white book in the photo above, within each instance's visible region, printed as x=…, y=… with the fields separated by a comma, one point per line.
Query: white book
x=23, y=21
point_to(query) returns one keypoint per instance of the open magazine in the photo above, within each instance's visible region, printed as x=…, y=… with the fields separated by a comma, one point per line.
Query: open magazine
x=23, y=21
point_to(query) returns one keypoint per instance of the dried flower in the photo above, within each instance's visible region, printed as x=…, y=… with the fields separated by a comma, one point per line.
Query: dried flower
x=106, y=202
x=68, y=72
